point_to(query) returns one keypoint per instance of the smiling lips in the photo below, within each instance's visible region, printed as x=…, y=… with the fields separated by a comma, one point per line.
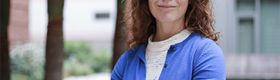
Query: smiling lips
x=168, y=7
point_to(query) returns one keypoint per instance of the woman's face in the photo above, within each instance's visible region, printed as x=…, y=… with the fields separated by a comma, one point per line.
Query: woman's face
x=168, y=10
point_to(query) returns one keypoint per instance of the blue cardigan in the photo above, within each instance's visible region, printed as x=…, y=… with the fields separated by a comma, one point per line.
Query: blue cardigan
x=195, y=58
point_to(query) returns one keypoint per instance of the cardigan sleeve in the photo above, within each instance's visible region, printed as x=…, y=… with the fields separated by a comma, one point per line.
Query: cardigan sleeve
x=210, y=64
x=118, y=71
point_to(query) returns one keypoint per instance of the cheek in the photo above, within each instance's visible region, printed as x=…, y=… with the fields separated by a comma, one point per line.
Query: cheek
x=158, y=14
x=183, y=7
x=152, y=6
x=183, y=4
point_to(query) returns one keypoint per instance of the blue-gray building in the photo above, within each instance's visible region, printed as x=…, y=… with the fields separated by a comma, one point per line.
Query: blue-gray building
x=251, y=37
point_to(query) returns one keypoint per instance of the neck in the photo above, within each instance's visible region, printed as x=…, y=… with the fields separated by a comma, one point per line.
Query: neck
x=167, y=30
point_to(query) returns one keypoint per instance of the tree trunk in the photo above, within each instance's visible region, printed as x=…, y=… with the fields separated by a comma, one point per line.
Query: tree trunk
x=120, y=34
x=4, y=45
x=54, y=45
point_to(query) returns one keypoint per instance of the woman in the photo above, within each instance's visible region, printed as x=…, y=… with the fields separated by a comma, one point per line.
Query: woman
x=170, y=40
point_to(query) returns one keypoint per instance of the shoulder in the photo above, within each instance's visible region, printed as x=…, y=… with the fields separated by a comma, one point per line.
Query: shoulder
x=198, y=39
x=206, y=43
x=208, y=59
x=206, y=48
x=199, y=43
x=131, y=54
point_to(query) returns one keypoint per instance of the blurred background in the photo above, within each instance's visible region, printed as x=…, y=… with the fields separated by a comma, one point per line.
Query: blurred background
x=83, y=39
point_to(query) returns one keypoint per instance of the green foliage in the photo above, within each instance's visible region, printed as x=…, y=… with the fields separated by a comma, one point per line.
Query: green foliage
x=77, y=69
x=26, y=62
x=101, y=61
x=20, y=77
x=78, y=50
x=82, y=59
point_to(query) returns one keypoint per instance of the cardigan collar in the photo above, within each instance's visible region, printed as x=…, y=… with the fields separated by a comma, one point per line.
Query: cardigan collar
x=140, y=52
x=160, y=46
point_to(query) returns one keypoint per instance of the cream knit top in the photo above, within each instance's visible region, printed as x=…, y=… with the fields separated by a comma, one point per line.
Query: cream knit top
x=156, y=53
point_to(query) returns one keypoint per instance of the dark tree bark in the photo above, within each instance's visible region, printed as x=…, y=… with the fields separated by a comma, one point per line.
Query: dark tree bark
x=4, y=45
x=54, y=45
x=120, y=34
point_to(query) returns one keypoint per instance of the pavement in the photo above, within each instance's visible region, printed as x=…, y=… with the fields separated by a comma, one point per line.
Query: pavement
x=97, y=76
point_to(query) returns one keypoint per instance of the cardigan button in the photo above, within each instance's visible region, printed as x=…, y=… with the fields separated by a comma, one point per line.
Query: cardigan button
x=165, y=65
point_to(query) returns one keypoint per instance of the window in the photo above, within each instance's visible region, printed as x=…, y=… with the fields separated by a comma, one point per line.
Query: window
x=245, y=5
x=270, y=26
x=245, y=36
x=258, y=26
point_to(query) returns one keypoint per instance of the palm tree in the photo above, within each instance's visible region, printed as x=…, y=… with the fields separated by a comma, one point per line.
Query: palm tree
x=119, y=38
x=4, y=45
x=54, y=45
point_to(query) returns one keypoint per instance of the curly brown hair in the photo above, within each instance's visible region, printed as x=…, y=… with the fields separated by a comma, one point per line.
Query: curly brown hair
x=140, y=23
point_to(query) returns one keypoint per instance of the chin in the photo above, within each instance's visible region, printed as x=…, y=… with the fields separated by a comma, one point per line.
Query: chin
x=167, y=18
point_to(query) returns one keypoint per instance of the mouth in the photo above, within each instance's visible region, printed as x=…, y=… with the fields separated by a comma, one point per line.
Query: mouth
x=166, y=7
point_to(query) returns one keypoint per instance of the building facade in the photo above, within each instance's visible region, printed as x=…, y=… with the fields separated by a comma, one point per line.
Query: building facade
x=251, y=37
x=18, y=31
